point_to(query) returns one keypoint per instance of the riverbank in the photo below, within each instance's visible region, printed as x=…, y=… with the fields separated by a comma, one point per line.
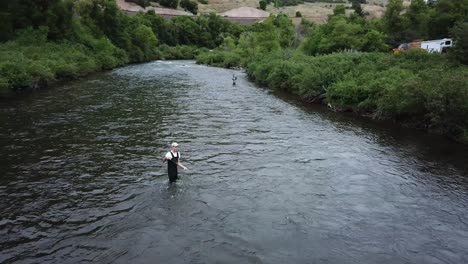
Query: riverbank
x=37, y=66
x=415, y=89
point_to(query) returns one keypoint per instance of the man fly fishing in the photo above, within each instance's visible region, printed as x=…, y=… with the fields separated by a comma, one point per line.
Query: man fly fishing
x=234, y=79
x=173, y=161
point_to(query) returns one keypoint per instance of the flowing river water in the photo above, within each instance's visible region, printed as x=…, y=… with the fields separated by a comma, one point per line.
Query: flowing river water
x=270, y=180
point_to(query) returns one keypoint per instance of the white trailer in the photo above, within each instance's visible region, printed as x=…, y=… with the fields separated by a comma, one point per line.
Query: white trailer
x=437, y=46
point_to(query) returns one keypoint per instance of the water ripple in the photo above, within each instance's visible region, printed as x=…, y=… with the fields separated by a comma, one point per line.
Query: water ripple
x=269, y=181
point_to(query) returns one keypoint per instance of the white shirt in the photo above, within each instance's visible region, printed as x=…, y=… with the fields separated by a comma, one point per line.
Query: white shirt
x=169, y=156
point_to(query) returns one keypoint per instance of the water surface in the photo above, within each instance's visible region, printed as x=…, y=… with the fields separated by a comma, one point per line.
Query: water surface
x=269, y=181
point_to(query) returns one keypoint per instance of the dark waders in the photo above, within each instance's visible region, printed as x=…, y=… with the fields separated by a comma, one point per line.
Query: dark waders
x=172, y=167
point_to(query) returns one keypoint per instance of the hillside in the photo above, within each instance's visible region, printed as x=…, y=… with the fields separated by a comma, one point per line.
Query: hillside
x=316, y=12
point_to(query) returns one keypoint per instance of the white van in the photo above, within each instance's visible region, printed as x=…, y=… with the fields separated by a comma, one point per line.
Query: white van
x=437, y=46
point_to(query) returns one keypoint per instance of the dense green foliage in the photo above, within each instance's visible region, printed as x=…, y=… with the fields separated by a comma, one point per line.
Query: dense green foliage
x=50, y=40
x=190, y=6
x=421, y=21
x=356, y=6
x=331, y=66
x=460, y=51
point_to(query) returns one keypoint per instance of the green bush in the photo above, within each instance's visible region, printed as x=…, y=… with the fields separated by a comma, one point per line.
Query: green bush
x=446, y=96
x=219, y=59
x=181, y=52
x=29, y=36
x=16, y=74
x=190, y=6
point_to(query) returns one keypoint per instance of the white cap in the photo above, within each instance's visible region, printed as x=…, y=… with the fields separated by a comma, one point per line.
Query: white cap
x=174, y=144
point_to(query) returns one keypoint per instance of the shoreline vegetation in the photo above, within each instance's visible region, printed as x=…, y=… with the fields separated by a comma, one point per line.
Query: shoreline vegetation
x=44, y=42
x=414, y=89
x=346, y=63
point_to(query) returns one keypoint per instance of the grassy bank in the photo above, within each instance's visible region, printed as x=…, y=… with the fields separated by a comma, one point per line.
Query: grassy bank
x=414, y=88
x=35, y=65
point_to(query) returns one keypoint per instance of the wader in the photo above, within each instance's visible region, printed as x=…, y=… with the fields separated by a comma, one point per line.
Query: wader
x=172, y=167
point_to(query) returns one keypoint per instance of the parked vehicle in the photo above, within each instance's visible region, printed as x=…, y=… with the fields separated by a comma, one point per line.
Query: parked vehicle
x=431, y=46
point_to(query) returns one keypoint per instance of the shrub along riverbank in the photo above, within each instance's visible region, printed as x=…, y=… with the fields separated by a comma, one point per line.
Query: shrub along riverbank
x=415, y=88
x=37, y=65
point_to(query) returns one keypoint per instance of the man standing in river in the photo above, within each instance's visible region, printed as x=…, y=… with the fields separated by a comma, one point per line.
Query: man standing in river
x=173, y=160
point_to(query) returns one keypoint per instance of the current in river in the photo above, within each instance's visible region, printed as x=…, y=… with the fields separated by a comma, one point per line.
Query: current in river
x=269, y=179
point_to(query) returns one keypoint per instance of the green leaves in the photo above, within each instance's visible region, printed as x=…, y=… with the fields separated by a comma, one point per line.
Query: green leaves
x=460, y=51
x=190, y=6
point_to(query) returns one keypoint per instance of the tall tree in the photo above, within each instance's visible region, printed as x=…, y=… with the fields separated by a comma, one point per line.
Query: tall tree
x=339, y=10
x=357, y=8
x=418, y=16
x=446, y=14
x=395, y=23
x=460, y=34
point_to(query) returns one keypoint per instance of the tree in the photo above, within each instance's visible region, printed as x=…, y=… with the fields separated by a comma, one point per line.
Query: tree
x=190, y=6
x=395, y=24
x=375, y=41
x=392, y=17
x=339, y=10
x=418, y=15
x=229, y=44
x=162, y=28
x=262, y=4
x=187, y=31
x=338, y=34
x=20, y=14
x=460, y=35
x=286, y=30
x=356, y=6
x=144, y=38
x=446, y=14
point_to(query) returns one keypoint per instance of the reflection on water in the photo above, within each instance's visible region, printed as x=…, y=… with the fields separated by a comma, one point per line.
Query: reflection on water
x=269, y=181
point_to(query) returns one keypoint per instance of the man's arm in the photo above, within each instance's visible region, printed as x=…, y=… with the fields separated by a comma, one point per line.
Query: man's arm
x=180, y=165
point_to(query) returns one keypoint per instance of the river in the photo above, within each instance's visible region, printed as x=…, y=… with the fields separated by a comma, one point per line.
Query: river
x=269, y=179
